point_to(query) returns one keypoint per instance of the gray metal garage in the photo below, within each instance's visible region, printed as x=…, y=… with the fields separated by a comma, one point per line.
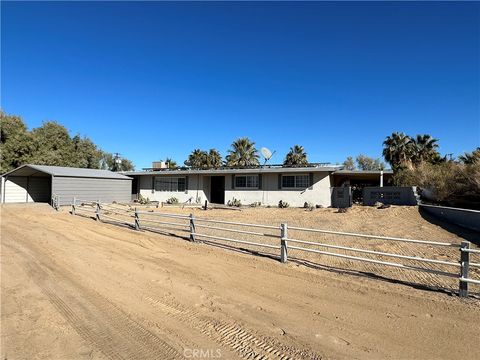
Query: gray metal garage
x=39, y=183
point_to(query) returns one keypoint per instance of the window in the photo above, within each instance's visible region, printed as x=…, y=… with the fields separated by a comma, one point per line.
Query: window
x=169, y=184
x=246, y=181
x=295, y=181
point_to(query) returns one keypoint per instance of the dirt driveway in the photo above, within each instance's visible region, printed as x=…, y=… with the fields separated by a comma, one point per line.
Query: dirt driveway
x=73, y=288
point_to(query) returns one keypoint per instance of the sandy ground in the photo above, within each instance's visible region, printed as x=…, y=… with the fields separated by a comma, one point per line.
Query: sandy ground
x=73, y=288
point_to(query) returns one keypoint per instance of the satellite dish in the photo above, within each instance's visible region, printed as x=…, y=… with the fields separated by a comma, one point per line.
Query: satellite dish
x=267, y=154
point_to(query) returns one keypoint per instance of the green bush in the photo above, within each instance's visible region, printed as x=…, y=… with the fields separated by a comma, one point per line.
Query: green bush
x=143, y=200
x=234, y=202
x=172, y=200
x=283, y=204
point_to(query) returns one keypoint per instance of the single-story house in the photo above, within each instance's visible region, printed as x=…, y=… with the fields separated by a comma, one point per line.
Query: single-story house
x=40, y=183
x=262, y=184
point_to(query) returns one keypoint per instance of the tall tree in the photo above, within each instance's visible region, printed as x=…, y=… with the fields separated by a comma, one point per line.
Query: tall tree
x=349, y=164
x=367, y=163
x=242, y=153
x=87, y=154
x=200, y=159
x=197, y=159
x=424, y=149
x=49, y=144
x=16, y=143
x=398, y=150
x=171, y=164
x=296, y=156
x=53, y=145
x=214, y=159
x=109, y=162
x=470, y=158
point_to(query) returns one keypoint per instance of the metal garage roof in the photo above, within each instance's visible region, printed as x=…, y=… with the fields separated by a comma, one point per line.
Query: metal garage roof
x=34, y=170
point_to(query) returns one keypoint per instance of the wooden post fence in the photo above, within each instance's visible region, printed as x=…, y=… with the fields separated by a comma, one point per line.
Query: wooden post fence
x=192, y=228
x=137, y=220
x=97, y=211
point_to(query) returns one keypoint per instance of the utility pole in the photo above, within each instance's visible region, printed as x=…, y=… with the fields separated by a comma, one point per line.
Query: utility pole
x=117, y=161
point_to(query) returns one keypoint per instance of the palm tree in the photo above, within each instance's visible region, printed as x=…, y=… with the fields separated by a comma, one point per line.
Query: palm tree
x=470, y=158
x=197, y=159
x=214, y=159
x=171, y=164
x=398, y=150
x=242, y=153
x=296, y=156
x=424, y=148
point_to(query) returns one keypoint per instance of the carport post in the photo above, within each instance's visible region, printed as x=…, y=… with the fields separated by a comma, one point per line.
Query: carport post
x=73, y=205
x=464, y=265
x=192, y=228
x=283, y=243
x=137, y=220
x=97, y=212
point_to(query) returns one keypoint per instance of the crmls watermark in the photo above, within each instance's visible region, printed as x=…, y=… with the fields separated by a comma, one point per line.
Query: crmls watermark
x=202, y=353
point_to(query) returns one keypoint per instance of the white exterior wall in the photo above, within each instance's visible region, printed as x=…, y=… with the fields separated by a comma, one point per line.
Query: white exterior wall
x=20, y=189
x=199, y=190
x=270, y=194
x=195, y=192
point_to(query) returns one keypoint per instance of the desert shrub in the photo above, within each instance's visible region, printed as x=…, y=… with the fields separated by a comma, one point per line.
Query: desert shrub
x=308, y=205
x=172, y=200
x=255, y=204
x=234, y=202
x=143, y=200
x=283, y=204
x=449, y=182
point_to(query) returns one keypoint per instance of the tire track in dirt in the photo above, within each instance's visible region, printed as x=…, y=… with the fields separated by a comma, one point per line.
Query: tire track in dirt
x=247, y=344
x=98, y=321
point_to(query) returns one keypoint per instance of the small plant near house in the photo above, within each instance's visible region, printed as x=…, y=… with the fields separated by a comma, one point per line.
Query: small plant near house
x=143, y=200
x=173, y=200
x=309, y=206
x=283, y=204
x=234, y=202
x=256, y=204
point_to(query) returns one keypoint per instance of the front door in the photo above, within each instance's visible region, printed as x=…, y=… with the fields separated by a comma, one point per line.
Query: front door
x=217, y=190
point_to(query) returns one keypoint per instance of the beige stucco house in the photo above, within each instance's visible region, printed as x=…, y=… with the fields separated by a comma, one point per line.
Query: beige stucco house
x=266, y=185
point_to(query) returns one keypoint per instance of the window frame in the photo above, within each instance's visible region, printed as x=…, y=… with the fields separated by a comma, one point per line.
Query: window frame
x=246, y=187
x=170, y=180
x=295, y=187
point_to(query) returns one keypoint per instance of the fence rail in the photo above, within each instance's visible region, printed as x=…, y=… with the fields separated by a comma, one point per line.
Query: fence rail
x=156, y=221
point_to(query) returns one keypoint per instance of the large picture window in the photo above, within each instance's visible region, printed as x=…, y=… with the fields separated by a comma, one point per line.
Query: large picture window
x=295, y=181
x=246, y=181
x=169, y=183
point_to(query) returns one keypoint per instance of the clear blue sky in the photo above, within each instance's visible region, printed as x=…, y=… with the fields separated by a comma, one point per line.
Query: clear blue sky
x=151, y=80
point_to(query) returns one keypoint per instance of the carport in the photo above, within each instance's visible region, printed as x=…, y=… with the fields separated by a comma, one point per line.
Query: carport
x=40, y=183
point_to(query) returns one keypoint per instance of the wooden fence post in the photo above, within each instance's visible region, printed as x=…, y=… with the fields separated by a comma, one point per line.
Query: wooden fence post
x=97, y=211
x=464, y=267
x=73, y=205
x=192, y=228
x=283, y=243
x=137, y=220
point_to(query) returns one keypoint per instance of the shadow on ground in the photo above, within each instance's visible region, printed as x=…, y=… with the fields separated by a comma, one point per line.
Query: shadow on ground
x=342, y=271
x=467, y=234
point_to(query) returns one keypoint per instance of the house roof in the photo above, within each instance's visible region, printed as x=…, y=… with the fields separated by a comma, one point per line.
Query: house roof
x=249, y=170
x=38, y=170
x=363, y=172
